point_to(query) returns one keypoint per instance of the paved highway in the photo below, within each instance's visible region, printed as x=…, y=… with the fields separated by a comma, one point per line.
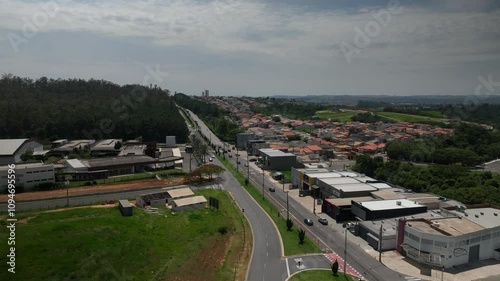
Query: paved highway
x=327, y=239
x=267, y=262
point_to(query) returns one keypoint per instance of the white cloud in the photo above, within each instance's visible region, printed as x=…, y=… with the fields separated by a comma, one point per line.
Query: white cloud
x=416, y=39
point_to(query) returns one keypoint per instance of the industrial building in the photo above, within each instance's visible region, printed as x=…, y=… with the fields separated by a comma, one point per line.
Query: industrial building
x=340, y=208
x=96, y=168
x=152, y=199
x=189, y=203
x=12, y=149
x=465, y=235
x=125, y=208
x=274, y=159
x=382, y=209
x=178, y=193
x=28, y=175
x=69, y=146
x=106, y=145
x=242, y=140
x=253, y=146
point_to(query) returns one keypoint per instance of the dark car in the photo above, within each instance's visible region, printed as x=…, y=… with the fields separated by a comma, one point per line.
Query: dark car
x=323, y=221
x=308, y=221
x=272, y=189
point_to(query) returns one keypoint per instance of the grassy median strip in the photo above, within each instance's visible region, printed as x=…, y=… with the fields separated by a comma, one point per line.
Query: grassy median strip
x=290, y=238
x=320, y=275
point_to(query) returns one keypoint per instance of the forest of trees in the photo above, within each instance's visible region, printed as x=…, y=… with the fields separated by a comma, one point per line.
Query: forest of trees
x=288, y=108
x=212, y=115
x=470, y=145
x=451, y=181
x=369, y=117
x=50, y=109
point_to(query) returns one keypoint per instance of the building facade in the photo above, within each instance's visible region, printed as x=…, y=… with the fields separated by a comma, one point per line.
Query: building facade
x=28, y=175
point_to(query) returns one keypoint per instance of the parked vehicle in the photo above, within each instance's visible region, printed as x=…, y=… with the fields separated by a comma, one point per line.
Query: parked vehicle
x=323, y=221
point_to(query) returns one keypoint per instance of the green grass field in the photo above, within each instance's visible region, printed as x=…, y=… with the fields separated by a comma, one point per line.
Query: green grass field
x=100, y=244
x=341, y=116
x=320, y=275
x=290, y=238
x=408, y=117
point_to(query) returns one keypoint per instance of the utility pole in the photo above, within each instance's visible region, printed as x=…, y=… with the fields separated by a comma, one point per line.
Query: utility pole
x=345, y=246
x=237, y=160
x=442, y=273
x=262, y=183
x=67, y=193
x=314, y=205
x=283, y=180
x=380, y=243
x=287, y=210
x=248, y=169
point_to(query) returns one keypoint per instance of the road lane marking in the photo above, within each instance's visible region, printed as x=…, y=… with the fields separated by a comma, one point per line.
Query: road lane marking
x=287, y=268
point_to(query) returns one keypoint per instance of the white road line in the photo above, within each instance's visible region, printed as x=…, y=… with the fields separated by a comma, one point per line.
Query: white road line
x=287, y=268
x=265, y=265
x=267, y=254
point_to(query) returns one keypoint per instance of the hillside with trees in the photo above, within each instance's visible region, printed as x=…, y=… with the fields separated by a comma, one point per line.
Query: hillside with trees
x=452, y=181
x=50, y=109
x=470, y=145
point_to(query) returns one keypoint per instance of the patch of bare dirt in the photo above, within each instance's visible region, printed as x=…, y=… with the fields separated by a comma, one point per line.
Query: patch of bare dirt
x=96, y=189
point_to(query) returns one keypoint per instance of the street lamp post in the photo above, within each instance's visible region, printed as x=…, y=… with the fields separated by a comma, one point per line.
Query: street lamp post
x=283, y=180
x=248, y=169
x=287, y=210
x=314, y=205
x=380, y=243
x=345, y=247
x=237, y=160
x=262, y=183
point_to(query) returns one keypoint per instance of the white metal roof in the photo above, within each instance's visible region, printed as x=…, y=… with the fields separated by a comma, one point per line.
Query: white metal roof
x=75, y=164
x=355, y=187
x=380, y=185
x=9, y=146
x=180, y=192
x=337, y=181
x=275, y=152
x=390, y=204
x=323, y=175
x=189, y=201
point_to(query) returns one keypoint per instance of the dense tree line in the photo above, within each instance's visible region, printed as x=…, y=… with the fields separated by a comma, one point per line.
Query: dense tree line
x=50, y=109
x=369, y=117
x=452, y=181
x=288, y=108
x=470, y=145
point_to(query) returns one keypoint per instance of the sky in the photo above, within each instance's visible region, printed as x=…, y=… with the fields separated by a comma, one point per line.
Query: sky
x=259, y=47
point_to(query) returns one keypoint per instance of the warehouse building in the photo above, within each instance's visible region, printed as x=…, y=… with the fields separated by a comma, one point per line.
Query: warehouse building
x=469, y=235
x=125, y=208
x=242, y=140
x=274, y=159
x=340, y=208
x=189, y=203
x=178, y=193
x=96, y=168
x=28, y=175
x=382, y=209
x=370, y=230
x=106, y=145
x=12, y=149
x=152, y=199
x=344, y=187
x=69, y=146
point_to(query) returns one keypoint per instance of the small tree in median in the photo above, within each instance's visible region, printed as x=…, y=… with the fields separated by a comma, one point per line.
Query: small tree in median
x=335, y=267
x=289, y=224
x=302, y=236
